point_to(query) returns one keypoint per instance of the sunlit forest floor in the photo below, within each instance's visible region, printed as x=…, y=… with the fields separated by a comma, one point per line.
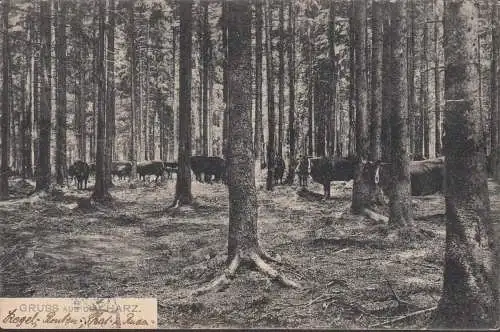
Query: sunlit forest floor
x=353, y=276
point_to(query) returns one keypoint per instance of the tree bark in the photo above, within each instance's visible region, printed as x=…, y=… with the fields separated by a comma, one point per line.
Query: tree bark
x=281, y=76
x=331, y=125
x=44, y=121
x=411, y=75
x=352, y=84
x=470, y=287
x=183, y=186
x=386, y=90
x=27, y=118
x=399, y=198
x=101, y=186
x=270, y=99
x=361, y=191
x=437, y=81
x=133, y=85
x=61, y=92
x=259, y=130
x=310, y=150
x=110, y=95
x=206, y=65
x=291, y=88
x=4, y=177
x=376, y=82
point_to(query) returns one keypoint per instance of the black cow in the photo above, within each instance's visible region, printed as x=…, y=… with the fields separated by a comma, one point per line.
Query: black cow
x=208, y=166
x=121, y=169
x=327, y=169
x=92, y=169
x=426, y=176
x=150, y=167
x=279, y=170
x=80, y=171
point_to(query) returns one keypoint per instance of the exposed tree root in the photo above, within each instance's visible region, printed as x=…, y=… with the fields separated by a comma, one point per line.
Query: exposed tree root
x=375, y=216
x=222, y=280
x=268, y=257
x=254, y=258
x=404, y=317
x=271, y=272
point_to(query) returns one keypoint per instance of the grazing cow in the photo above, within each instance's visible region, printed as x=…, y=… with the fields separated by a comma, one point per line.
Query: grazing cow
x=324, y=170
x=426, y=176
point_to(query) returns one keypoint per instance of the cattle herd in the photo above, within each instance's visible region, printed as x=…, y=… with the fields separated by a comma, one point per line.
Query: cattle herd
x=427, y=176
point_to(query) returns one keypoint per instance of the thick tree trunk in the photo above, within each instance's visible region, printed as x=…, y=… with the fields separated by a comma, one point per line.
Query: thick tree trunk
x=399, y=203
x=291, y=89
x=310, y=150
x=259, y=130
x=101, y=186
x=206, y=65
x=270, y=99
x=437, y=81
x=242, y=192
x=281, y=76
x=27, y=117
x=376, y=82
x=494, y=92
x=361, y=192
x=470, y=286
x=411, y=75
x=4, y=176
x=331, y=125
x=386, y=90
x=183, y=186
x=110, y=93
x=243, y=245
x=61, y=92
x=44, y=121
x=225, y=83
x=133, y=85
x=351, y=147
x=424, y=84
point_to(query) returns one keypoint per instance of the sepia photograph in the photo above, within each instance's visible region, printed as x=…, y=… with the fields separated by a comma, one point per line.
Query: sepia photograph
x=187, y=164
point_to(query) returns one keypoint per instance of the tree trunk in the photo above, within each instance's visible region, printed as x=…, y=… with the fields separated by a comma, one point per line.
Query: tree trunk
x=133, y=85
x=411, y=75
x=399, y=202
x=258, y=83
x=470, y=286
x=110, y=95
x=206, y=65
x=310, y=75
x=44, y=121
x=61, y=92
x=243, y=244
x=225, y=84
x=376, y=82
x=291, y=89
x=146, y=111
x=270, y=99
x=437, y=81
x=4, y=177
x=352, y=84
x=386, y=90
x=424, y=84
x=101, y=186
x=183, y=186
x=361, y=191
x=242, y=192
x=281, y=76
x=27, y=117
x=331, y=125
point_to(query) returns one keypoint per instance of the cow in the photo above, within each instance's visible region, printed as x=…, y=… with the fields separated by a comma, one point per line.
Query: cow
x=323, y=170
x=426, y=176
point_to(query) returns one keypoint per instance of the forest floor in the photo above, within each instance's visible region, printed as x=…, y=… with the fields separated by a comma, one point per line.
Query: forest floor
x=352, y=275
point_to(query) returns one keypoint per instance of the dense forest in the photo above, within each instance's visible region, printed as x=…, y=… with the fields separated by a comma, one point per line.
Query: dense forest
x=240, y=103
